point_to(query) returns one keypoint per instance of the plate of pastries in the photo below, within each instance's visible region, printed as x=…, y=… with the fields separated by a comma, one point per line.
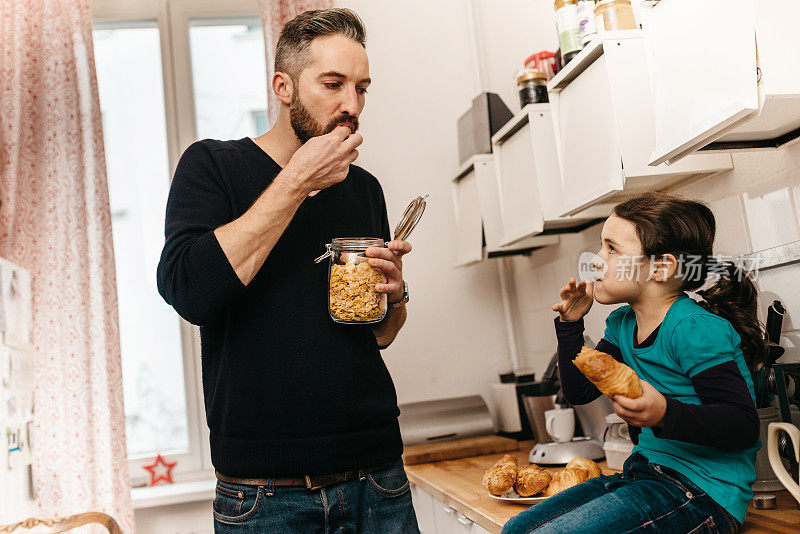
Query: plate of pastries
x=506, y=481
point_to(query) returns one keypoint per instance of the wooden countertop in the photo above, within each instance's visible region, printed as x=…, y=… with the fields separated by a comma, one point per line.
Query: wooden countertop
x=457, y=483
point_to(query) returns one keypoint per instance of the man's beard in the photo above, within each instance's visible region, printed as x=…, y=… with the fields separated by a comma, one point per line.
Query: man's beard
x=305, y=126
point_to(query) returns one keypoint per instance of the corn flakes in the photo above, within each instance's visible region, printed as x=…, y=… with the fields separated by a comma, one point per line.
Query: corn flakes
x=353, y=296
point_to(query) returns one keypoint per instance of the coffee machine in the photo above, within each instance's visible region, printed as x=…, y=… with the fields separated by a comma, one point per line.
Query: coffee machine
x=589, y=428
x=521, y=401
x=777, y=389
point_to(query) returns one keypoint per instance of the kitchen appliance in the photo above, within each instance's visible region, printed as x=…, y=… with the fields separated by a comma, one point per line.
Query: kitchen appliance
x=791, y=483
x=783, y=382
x=617, y=442
x=521, y=405
x=476, y=127
x=537, y=402
x=554, y=453
x=585, y=446
x=444, y=419
x=765, y=476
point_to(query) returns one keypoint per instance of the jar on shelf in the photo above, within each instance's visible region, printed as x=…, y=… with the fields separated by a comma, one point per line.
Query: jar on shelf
x=586, y=21
x=614, y=15
x=568, y=30
x=532, y=86
x=352, y=297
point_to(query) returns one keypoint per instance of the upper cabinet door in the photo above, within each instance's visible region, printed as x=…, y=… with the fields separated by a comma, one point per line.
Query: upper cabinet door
x=725, y=72
x=705, y=76
x=469, y=225
x=520, y=204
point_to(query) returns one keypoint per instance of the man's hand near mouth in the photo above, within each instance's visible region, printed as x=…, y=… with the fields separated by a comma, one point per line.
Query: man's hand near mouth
x=322, y=161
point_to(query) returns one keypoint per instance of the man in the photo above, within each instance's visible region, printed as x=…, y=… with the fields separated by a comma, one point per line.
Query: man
x=302, y=410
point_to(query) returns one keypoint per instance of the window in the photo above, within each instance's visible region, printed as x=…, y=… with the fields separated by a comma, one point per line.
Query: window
x=169, y=72
x=229, y=93
x=128, y=64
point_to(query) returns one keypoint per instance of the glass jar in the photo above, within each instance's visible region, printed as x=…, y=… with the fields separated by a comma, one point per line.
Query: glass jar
x=586, y=22
x=352, y=297
x=613, y=15
x=568, y=31
x=532, y=86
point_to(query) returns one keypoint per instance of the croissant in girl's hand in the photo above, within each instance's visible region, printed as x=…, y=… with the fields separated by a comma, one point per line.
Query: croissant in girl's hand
x=610, y=376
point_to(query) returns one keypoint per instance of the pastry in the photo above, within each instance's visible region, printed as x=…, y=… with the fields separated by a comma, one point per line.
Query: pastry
x=592, y=469
x=500, y=478
x=531, y=479
x=565, y=479
x=610, y=376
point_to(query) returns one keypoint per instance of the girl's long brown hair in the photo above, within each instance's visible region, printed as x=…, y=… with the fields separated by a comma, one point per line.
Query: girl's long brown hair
x=668, y=224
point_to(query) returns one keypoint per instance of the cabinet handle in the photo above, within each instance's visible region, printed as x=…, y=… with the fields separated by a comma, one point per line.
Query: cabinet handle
x=465, y=521
x=448, y=510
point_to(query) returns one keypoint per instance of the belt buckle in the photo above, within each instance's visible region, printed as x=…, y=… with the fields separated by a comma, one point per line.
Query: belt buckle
x=311, y=486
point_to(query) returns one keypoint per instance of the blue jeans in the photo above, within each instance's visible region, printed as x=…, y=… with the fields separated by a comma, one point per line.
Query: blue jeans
x=378, y=502
x=645, y=497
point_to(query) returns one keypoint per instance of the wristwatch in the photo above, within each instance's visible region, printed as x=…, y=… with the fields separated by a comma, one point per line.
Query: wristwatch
x=403, y=300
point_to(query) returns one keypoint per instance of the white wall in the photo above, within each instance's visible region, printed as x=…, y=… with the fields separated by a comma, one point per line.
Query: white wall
x=187, y=518
x=508, y=33
x=423, y=79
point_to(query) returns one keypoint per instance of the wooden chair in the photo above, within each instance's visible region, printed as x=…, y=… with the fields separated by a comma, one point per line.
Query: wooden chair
x=67, y=523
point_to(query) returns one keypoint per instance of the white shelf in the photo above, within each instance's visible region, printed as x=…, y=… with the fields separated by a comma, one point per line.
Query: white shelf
x=467, y=211
x=476, y=222
x=586, y=57
x=529, y=181
x=178, y=493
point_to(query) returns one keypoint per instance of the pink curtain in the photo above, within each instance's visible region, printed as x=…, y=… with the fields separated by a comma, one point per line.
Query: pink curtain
x=274, y=14
x=55, y=222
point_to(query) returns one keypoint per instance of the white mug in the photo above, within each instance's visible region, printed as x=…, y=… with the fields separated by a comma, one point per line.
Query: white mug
x=775, y=457
x=560, y=424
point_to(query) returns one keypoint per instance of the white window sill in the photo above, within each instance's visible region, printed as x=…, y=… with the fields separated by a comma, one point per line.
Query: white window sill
x=178, y=493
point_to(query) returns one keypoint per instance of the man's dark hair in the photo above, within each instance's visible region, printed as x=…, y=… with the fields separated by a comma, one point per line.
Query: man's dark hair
x=291, y=54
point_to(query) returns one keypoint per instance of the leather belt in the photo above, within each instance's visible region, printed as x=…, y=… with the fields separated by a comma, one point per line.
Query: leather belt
x=312, y=482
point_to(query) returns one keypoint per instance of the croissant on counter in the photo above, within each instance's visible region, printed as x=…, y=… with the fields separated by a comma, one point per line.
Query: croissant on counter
x=610, y=376
x=592, y=469
x=501, y=477
x=565, y=479
x=531, y=479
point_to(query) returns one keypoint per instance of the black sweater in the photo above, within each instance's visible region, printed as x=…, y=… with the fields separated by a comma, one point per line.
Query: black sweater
x=287, y=391
x=726, y=417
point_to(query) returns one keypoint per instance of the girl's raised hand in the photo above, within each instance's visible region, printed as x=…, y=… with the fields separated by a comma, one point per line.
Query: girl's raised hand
x=647, y=410
x=576, y=300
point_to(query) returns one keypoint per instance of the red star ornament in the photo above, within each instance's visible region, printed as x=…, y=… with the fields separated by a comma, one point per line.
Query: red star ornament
x=156, y=477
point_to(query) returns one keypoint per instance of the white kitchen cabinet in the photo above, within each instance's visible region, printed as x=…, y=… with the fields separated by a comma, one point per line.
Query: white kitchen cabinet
x=423, y=506
x=469, y=223
x=604, y=118
x=449, y=521
x=435, y=517
x=444, y=518
x=476, y=206
x=465, y=525
x=529, y=183
x=706, y=58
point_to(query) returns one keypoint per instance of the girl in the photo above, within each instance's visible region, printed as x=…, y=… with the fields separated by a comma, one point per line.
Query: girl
x=695, y=427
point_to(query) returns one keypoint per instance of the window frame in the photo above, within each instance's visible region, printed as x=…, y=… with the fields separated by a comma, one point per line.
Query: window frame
x=172, y=18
